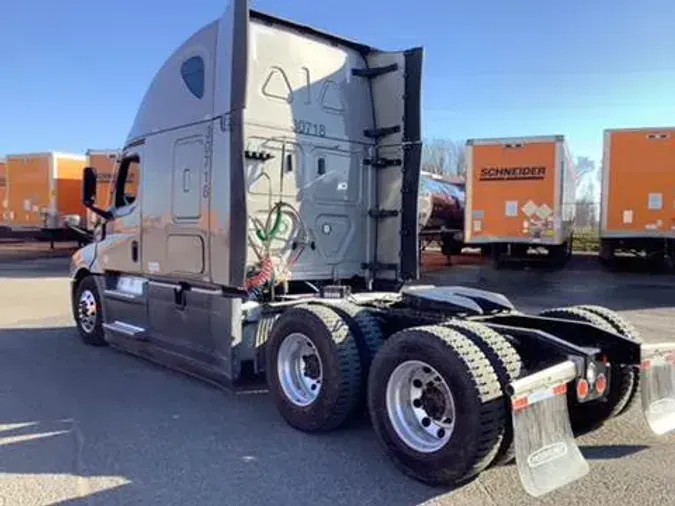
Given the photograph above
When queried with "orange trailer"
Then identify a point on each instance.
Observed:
(105, 163)
(637, 213)
(3, 191)
(520, 196)
(44, 191)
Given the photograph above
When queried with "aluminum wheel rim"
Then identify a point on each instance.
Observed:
(86, 311)
(420, 406)
(299, 369)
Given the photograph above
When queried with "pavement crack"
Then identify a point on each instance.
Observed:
(486, 492)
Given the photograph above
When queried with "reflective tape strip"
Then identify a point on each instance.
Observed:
(541, 395)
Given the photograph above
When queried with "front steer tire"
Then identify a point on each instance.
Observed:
(479, 416)
(87, 312)
(340, 382)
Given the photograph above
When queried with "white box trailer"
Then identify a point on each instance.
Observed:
(271, 233)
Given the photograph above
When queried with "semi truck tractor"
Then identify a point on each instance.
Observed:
(273, 233)
(521, 198)
(637, 214)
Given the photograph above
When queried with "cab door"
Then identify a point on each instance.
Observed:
(120, 254)
(176, 237)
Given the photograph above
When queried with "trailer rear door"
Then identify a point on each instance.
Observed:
(32, 185)
(513, 191)
(638, 194)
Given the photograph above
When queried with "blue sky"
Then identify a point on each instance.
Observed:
(74, 71)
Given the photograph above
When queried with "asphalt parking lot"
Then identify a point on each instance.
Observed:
(80, 425)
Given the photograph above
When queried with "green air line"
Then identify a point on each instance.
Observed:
(275, 228)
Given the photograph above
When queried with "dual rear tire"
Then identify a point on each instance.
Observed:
(624, 379)
(435, 394)
(313, 368)
(436, 405)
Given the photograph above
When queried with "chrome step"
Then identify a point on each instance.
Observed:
(126, 329)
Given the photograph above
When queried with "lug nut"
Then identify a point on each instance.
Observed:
(426, 422)
(417, 403)
(417, 383)
(440, 433)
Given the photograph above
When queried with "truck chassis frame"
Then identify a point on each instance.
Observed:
(561, 373)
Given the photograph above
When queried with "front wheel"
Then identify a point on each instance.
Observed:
(87, 312)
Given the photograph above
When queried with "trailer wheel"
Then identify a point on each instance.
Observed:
(507, 364)
(606, 255)
(436, 405)
(560, 255)
(587, 417)
(498, 252)
(87, 312)
(314, 371)
(450, 246)
(623, 327)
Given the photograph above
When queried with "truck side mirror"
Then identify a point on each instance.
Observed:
(89, 193)
(89, 186)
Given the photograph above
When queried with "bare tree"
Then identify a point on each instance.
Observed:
(587, 205)
(585, 167)
(461, 159)
(443, 156)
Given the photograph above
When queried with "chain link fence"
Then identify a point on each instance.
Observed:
(587, 217)
(586, 225)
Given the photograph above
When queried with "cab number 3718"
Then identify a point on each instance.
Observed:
(304, 127)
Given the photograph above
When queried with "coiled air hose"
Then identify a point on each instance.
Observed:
(266, 273)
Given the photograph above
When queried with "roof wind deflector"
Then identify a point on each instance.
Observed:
(308, 30)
